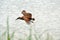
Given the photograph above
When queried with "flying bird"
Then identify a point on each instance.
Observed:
(27, 17)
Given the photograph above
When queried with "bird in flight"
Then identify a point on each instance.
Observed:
(27, 17)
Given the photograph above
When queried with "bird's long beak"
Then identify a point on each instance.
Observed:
(18, 18)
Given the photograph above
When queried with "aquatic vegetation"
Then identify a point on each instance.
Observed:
(8, 36)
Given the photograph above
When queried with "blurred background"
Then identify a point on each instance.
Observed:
(45, 12)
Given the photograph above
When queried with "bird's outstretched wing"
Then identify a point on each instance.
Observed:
(28, 15)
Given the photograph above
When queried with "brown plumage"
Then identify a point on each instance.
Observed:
(27, 17)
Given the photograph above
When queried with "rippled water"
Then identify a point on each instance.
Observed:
(46, 13)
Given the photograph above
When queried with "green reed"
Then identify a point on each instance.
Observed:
(36, 36)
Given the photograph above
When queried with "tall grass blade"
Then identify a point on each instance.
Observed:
(36, 37)
(3, 34)
(8, 36)
(12, 36)
(30, 34)
(47, 37)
